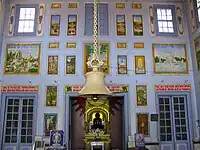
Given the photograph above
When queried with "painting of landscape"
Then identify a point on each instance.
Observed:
(104, 55)
(197, 50)
(22, 59)
(170, 59)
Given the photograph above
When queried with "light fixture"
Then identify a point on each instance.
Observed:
(95, 85)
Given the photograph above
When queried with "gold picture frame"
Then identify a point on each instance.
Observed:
(141, 95)
(138, 25)
(143, 123)
(121, 25)
(70, 45)
(121, 45)
(54, 45)
(197, 51)
(136, 5)
(72, 5)
(56, 5)
(14, 52)
(122, 65)
(167, 61)
(120, 5)
(72, 25)
(138, 45)
(104, 53)
(53, 65)
(70, 65)
(51, 96)
(55, 25)
(140, 65)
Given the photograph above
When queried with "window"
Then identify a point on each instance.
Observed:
(103, 19)
(26, 17)
(198, 9)
(165, 20)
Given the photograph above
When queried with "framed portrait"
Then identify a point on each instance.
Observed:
(122, 64)
(197, 51)
(121, 25)
(70, 64)
(72, 25)
(55, 25)
(53, 65)
(56, 5)
(51, 95)
(140, 67)
(143, 123)
(22, 59)
(50, 123)
(141, 95)
(54, 45)
(170, 59)
(104, 55)
(137, 25)
(70, 45)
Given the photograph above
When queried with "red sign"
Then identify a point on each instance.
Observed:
(181, 87)
(19, 89)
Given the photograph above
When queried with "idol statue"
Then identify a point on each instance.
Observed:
(97, 122)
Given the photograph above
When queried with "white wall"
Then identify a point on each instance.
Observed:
(150, 79)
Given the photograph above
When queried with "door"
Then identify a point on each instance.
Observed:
(18, 125)
(174, 130)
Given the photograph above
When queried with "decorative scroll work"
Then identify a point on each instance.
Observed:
(11, 20)
(40, 20)
(151, 19)
(179, 18)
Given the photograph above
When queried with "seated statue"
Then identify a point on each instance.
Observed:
(97, 122)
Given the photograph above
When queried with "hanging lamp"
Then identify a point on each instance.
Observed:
(95, 83)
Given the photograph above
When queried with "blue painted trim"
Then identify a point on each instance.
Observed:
(17, 15)
(3, 109)
(189, 113)
(172, 7)
(68, 118)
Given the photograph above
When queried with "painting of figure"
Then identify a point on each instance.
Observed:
(104, 55)
(121, 25)
(55, 25)
(50, 122)
(53, 65)
(70, 64)
(141, 93)
(137, 25)
(22, 59)
(197, 50)
(51, 95)
(140, 65)
(72, 23)
(143, 124)
(170, 59)
(122, 64)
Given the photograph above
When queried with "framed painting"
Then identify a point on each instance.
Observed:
(56, 5)
(138, 45)
(197, 51)
(50, 123)
(141, 95)
(51, 95)
(72, 25)
(53, 65)
(122, 64)
(137, 25)
(120, 5)
(55, 25)
(22, 59)
(72, 5)
(54, 45)
(140, 67)
(70, 65)
(170, 59)
(136, 5)
(70, 45)
(104, 55)
(121, 25)
(143, 123)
